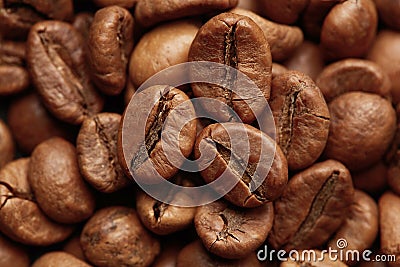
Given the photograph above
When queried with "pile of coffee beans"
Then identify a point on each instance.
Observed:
(199, 133)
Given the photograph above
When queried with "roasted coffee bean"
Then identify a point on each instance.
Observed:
(7, 147)
(129, 92)
(272, 177)
(353, 75)
(308, 59)
(320, 259)
(59, 259)
(343, 35)
(122, 3)
(283, 11)
(114, 236)
(146, 155)
(385, 53)
(389, 12)
(283, 39)
(278, 69)
(110, 44)
(12, 254)
(312, 206)
(373, 180)
(238, 42)
(301, 118)
(97, 152)
(21, 219)
(151, 12)
(163, 218)
(56, 59)
(360, 227)
(17, 16)
(164, 46)
(57, 184)
(82, 22)
(14, 78)
(231, 232)
(362, 128)
(27, 111)
(196, 255)
(389, 212)
(73, 247)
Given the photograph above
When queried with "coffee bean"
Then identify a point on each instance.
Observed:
(389, 211)
(238, 42)
(56, 59)
(163, 218)
(146, 155)
(151, 12)
(362, 127)
(7, 147)
(73, 247)
(231, 232)
(82, 22)
(271, 175)
(17, 16)
(312, 206)
(97, 152)
(57, 184)
(110, 44)
(353, 75)
(14, 78)
(60, 259)
(196, 255)
(12, 254)
(283, 39)
(343, 35)
(301, 118)
(283, 11)
(21, 219)
(114, 236)
(278, 69)
(360, 227)
(167, 44)
(373, 180)
(27, 111)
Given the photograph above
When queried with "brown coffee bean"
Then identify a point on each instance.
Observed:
(343, 35)
(82, 22)
(389, 12)
(12, 254)
(110, 44)
(56, 59)
(278, 69)
(21, 219)
(122, 3)
(114, 236)
(385, 53)
(283, 11)
(353, 75)
(17, 16)
(73, 247)
(231, 232)
(129, 92)
(170, 248)
(362, 128)
(308, 59)
(27, 111)
(238, 42)
(320, 260)
(389, 212)
(151, 12)
(360, 227)
(283, 39)
(146, 155)
(312, 206)
(97, 152)
(59, 259)
(373, 180)
(163, 218)
(57, 184)
(162, 47)
(196, 255)
(7, 147)
(301, 118)
(14, 78)
(273, 177)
